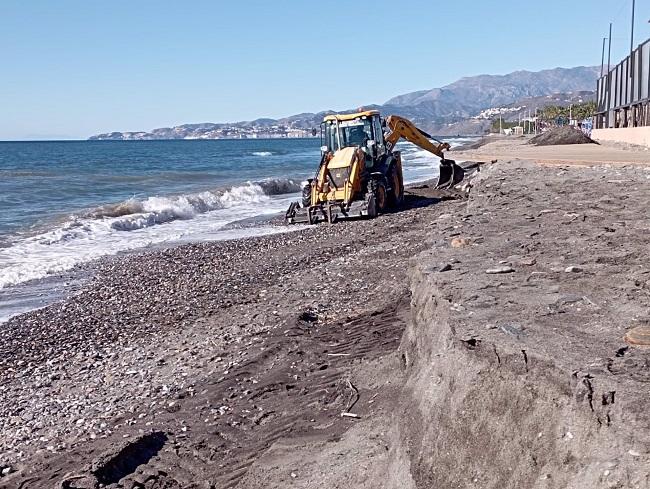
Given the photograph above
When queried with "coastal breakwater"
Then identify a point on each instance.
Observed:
(473, 342)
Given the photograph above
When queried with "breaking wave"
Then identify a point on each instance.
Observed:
(136, 214)
(133, 224)
(262, 153)
(279, 186)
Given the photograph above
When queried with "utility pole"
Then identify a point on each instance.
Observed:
(609, 78)
(602, 59)
(500, 129)
(632, 33)
(609, 49)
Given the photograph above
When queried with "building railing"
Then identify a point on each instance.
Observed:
(623, 94)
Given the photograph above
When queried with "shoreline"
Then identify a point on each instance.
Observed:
(42, 292)
(259, 225)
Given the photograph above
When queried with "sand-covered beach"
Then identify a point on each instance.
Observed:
(467, 340)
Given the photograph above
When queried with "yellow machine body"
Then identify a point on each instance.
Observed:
(360, 174)
(344, 165)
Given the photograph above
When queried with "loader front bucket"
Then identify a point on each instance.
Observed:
(450, 174)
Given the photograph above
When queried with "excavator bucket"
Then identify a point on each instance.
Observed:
(450, 174)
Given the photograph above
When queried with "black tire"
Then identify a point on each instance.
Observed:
(306, 195)
(377, 192)
(396, 193)
(371, 205)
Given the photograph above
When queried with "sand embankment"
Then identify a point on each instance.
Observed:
(230, 364)
(508, 148)
(522, 378)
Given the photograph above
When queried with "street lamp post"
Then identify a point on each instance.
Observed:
(609, 49)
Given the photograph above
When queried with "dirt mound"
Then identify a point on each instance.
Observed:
(474, 144)
(561, 135)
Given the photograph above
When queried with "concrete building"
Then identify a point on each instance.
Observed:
(623, 100)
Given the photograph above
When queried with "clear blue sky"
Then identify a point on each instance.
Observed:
(72, 68)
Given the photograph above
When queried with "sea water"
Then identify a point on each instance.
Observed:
(69, 202)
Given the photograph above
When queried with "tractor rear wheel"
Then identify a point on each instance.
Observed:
(396, 195)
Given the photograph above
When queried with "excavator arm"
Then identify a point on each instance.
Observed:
(399, 127)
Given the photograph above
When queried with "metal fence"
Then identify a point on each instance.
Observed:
(623, 93)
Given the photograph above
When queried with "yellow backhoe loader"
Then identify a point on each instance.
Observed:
(360, 173)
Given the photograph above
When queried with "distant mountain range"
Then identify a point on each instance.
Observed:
(452, 109)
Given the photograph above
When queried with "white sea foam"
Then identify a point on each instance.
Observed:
(420, 165)
(262, 153)
(137, 224)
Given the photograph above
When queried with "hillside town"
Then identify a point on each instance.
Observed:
(211, 131)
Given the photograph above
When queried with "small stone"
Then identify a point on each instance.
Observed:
(634, 453)
(445, 268)
(294, 475)
(638, 336)
(572, 269)
(512, 330)
(459, 242)
(500, 270)
(6, 471)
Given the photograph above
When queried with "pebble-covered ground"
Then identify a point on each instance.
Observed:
(211, 325)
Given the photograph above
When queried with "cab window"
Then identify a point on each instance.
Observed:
(356, 132)
(379, 135)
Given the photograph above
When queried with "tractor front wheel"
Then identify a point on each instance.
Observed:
(306, 195)
(377, 197)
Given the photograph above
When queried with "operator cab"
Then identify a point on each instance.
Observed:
(363, 129)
